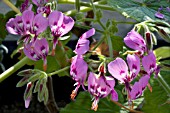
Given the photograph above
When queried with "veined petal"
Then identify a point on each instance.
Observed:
(55, 20)
(88, 34)
(40, 24)
(10, 26)
(27, 18)
(114, 95)
(79, 69)
(136, 91)
(31, 53)
(143, 82)
(92, 83)
(67, 25)
(118, 69)
(82, 46)
(134, 65)
(149, 63)
(135, 41)
(20, 25)
(110, 81)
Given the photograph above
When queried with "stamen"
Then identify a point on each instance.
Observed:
(95, 105)
(149, 86)
(73, 95)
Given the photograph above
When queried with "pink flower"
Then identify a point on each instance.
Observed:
(83, 43)
(149, 64)
(135, 41)
(100, 87)
(138, 87)
(60, 25)
(37, 50)
(119, 69)
(78, 72)
(27, 24)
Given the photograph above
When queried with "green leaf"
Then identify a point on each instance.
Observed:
(22, 82)
(162, 52)
(117, 43)
(2, 28)
(155, 101)
(136, 103)
(138, 10)
(83, 105)
(52, 64)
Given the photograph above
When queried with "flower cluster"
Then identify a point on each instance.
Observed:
(119, 69)
(30, 26)
(159, 15)
(99, 85)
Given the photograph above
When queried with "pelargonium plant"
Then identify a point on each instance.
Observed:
(123, 73)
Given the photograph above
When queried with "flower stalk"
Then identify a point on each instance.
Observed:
(12, 6)
(59, 71)
(14, 68)
(163, 83)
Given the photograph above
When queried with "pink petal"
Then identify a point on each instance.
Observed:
(27, 18)
(135, 41)
(40, 24)
(55, 20)
(19, 25)
(136, 91)
(79, 69)
(10, 26)
(27, 102)
(110, 81)
(30, 52)
(82, 46)
(88, 34)
(149, 62)
(159, 15)
(118, 69)
(134, 65)
(91, 83)
(143, 82)
(114, 95)
(67, 25)
(42, 46)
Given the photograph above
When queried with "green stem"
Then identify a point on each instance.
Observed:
(87, 27)
(8, 3)
(101, 24)
(124, 22)
(96, 4)
(59, 71)
(98, 43)
(14, 68)
(86, 19)
(110, 45)
(164, 84)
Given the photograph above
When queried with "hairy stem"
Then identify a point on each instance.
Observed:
(96, 4)
(59, 71)
(12, 6)
(87, 27)
(101, 40)
(131, 110)
(51, 104)
(164, 84)
(14, 68)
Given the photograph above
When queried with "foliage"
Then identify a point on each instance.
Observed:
(110, 68)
